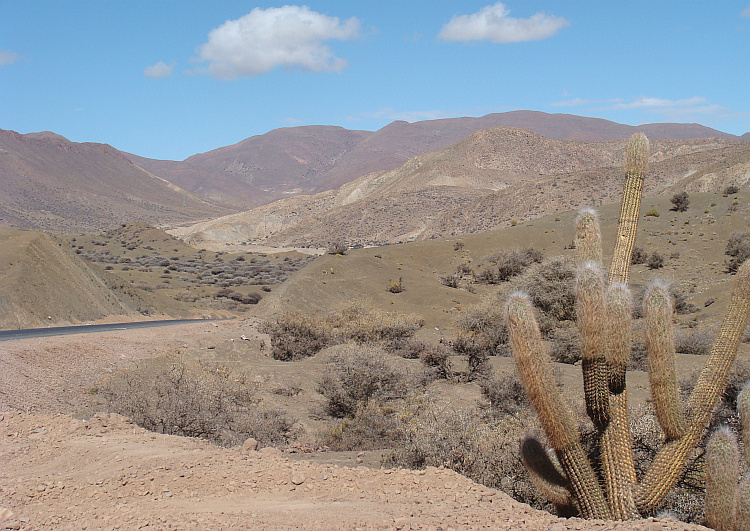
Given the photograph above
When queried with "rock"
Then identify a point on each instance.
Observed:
(297, 477)
(250, 444)
(270, 451)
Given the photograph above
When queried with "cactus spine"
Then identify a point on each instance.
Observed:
(604, 319)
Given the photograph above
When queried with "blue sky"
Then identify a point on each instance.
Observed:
(171, 78)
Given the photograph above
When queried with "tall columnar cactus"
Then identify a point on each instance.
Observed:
(727, 502)
(604, 319)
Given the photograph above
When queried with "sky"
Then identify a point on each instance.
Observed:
(167, 79)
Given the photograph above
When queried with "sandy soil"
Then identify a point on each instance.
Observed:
(61, 472)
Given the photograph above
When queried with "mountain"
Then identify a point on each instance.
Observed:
(51, 183)
(485, 181)
(311, 159)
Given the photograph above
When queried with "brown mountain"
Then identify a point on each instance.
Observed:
(310, 159)
(51, 183)
(485, 181)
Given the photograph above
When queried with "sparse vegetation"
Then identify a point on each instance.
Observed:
(213, 402)
(738, 248)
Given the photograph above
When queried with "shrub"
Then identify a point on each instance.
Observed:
(652, 213)
(696, 341)
(509, 263)
(294, 336)
(355, 375)
(552, 288)
(437, 359)
(355, 322)
(655, 261)
(337, 248)
(731, 189)
(374, 426)
(396, 287)
(565, 347)
(738, 247)
(173, 396)
(639, 256)
(505, 393)
(485, 450)
(680, 202)
(451, 281)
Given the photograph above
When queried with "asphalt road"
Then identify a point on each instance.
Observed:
(6, 335)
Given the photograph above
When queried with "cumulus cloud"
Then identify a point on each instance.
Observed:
(289, 36)
(493, 23)
(159, 70)
(7, 57)
(745, 12)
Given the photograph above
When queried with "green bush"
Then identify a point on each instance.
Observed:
(652, 213)
(680, 202)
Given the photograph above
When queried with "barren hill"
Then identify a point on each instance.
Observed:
(41, 281)
(50, 183)
(486, 181)
(310, 159)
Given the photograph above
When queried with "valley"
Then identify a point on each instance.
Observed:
(356, 261)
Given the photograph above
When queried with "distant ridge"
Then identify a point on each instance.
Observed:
(51, 183)
(483, 182)
(310, 159)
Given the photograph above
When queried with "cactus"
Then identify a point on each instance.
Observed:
(604, 318)
(727, 502)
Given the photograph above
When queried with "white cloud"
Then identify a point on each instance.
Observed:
(658, 103)
(745, 12)
(7, 57)
(266, 38)
(493, 23)
(159, 70)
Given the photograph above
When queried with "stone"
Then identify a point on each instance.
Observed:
(250, 444)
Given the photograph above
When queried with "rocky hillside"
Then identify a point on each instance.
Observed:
(488, 180)
(51, 183)
(311, 159)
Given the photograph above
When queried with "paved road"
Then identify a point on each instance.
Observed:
(6, 335)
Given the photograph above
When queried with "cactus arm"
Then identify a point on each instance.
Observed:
(588, 240)
(722, 458)
(617, 451)
(742, 516)
(743, 408)
(535, 370)
(657, 306)
(671, 460)
(636, 164)
(545, 476)
(590, 312)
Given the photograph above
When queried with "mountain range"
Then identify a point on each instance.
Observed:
(313, 185)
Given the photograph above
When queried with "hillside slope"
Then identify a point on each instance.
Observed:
(43, 282)
(484, 182)
(311, 159)
(51, 183)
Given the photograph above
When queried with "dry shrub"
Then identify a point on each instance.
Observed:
(363, 325)
(437, 359)
(565, 345)
(374, 426)
(294, 336)
(508, 264)
(505, 394)
(354, 375)
(483, 449)
(738, 248)
(696, 341)
(170, 395)
(551, 287)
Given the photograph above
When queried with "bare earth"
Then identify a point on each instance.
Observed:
(59, 472)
